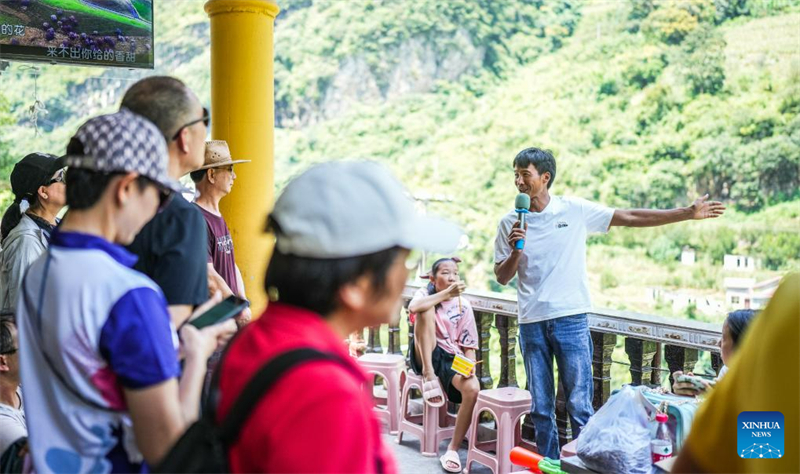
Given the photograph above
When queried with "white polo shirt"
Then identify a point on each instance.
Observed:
(552, 280)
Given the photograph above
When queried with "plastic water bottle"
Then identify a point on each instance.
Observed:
(661, 444)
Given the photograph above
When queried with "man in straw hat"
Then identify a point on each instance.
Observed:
(214, 180)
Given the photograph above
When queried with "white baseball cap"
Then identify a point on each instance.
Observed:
(353, 208)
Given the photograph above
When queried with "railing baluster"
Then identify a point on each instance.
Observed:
(508, 328)
(528, 430)
(653, 340)
(680, 358)
(374, 340)
(716, 362)
(394, 335)
(484, 322)
(601, 366)
(562, 418)
(655, 376)
(641, 355)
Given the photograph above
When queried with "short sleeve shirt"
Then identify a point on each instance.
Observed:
(172, 252)
(455, 324)
(552, 280)
(220, 249)
(12, 424)
(764, 376)
(84, 337)
(318, 417)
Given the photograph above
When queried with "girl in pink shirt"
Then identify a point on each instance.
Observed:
(445, 326)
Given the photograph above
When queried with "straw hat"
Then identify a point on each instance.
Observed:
(217, 155)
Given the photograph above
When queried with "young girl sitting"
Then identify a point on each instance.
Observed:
(445, 326)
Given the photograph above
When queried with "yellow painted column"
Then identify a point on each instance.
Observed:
(243, 114)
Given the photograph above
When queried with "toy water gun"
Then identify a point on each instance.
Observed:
(535, 462)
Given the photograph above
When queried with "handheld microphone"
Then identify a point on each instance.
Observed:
(521, 205)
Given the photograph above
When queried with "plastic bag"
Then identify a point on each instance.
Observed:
(617, 437)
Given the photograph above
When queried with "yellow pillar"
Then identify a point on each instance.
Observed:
(242, 113)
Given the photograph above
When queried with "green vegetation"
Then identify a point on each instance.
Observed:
(636, 119)
(644, 103)
(315, 37)
(144, 8)
(76, 6)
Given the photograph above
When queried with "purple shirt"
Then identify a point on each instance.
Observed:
(220, 249)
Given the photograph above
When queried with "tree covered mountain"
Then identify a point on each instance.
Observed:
(644, 102)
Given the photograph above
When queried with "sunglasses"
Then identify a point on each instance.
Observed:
(206, 119)
(58, 179)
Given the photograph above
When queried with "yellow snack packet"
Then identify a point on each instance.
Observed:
(463, 365)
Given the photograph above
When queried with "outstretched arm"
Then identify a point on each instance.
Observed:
(702, 208)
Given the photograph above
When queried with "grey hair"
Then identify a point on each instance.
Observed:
(163, 100)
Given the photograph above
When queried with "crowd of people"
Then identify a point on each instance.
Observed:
(101, 370)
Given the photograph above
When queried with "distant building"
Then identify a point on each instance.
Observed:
(688, 256)
(680, 300)
(745, 293)
(740, 263)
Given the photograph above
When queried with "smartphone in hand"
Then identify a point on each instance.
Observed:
(224, 310)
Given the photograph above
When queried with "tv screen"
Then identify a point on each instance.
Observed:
(116, 33)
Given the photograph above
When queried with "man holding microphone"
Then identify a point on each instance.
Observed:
(553, 287)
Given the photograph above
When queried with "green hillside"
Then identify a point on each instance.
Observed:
(635, 119)
(645, 103)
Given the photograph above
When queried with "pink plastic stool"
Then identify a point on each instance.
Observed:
(427, 426)
(507, 405)
(391, 368)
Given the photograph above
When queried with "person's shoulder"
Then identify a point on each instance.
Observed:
(331, 380)
(466, 302)
(508, 219)
(117, 278)
(178, 212)
(339, 376)
(574, 203)
(570, 201)
(137, 280)
(179, 220)
(24, 232)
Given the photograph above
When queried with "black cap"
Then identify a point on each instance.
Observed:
(33, 171)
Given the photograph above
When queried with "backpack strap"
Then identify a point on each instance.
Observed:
(262, 382)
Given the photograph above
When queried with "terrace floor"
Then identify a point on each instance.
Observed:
(410, 461)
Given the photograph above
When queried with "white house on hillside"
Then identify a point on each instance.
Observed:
(688, 256)
(745, 293)
(739, 263)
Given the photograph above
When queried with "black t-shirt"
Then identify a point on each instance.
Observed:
(172, 251)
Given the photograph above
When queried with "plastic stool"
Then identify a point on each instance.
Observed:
(508, 406)
(427, 426)
(391, 368)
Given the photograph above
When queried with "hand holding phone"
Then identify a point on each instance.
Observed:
(224, 310)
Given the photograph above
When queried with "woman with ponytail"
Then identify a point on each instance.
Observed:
(37, 182)
(445, 327)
